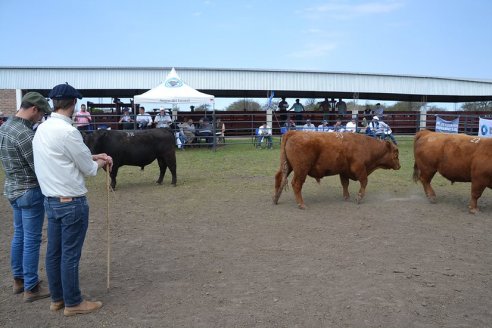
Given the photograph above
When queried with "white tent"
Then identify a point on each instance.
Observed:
(173, 91)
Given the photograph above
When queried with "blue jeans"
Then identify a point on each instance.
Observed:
(67, 226)
(28, 224)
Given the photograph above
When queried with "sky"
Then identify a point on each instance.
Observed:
(436, 38)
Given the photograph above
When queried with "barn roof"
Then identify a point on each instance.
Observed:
(126, 82)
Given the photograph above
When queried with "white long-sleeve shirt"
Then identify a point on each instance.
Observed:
(61, 159)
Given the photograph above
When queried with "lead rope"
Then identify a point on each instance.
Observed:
(108, 227)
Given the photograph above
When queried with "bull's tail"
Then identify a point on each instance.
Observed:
(416, 170)
(416, 173)
(281, 177)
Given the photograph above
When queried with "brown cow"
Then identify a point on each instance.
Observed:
(351, 155)
(457, 157)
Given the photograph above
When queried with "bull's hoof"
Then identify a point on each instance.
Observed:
(159, 182)
(358, 200)
(301, 206)
(473, 210)
(275, 200)
(432, 200)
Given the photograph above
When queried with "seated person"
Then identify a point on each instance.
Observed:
(163, 119)
(126, 120)
(323, 127)
(219, 128)
(351, 126)
(264, 133)
(290, 124)
(309, 126)
(338, 127)
(144, 120)
(205, 130)
(188, 130)
(379, 129)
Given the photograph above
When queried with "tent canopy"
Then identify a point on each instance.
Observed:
(173, 91)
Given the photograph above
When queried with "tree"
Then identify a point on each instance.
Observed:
(245, 105)
(477, 106)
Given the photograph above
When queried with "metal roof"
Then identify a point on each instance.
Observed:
(126, 82)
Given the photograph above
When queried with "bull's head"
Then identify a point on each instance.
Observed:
(393, 159)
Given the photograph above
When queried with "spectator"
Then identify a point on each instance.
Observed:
(379, 129)
(351, 126)
(298, 109)
(126, 120)
(338, 127)
(282, 108)
(323, 127)
(61, 161)
(264, 133)
(83, 119)
(188, 129)
(163, 119)
(325, 107)
(144, 120)
(24, 194)
(205, 130)
(192, 108)
(341, 107)
(379, 111)
(290, 124)
(220, 129)
(309, 126)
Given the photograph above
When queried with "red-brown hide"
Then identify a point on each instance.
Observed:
(457, 157)
(350, 155)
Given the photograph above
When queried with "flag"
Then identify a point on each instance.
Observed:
(272, 94)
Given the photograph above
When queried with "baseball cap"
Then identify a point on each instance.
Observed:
(375, 118)
(37, 99)
(64, 91)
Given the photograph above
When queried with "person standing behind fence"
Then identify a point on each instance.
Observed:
(379, 111)
(298, 109)
(83, 119)
(325, 107)
(282, 108)
(24, 194)
(341, 107)
(61, 162)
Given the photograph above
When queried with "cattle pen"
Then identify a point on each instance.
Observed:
(215, 252)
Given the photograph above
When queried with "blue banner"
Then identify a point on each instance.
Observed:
(485, 128)
(447, 126)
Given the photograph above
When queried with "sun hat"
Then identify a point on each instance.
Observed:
(37, 99)
(64, 91)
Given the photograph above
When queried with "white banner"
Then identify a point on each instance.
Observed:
(447, 126)
(485, 128)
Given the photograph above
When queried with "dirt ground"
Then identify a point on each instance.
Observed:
(225, 256)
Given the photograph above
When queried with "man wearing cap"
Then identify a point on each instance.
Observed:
(162, 120)
(323, 127)
(24, 194)
(309, 126)
(62, 161)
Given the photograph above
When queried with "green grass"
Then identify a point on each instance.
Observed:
(239, 160)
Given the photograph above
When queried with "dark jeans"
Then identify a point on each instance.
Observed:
(67, 226)
(28, 212)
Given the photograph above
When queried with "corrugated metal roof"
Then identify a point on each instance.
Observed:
(223, 82)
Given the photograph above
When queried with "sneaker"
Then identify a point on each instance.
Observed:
(55, 306)
(83, 308)
(18, 286)
(37, 293)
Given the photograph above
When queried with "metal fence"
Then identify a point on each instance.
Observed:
(242, 127)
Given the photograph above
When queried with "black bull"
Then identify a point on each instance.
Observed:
(136, 148)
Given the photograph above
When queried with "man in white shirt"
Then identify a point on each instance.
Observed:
(144, 120)
(61, 162)
(309, 126)
(351, 126)
(162, 120)
(264, 133)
